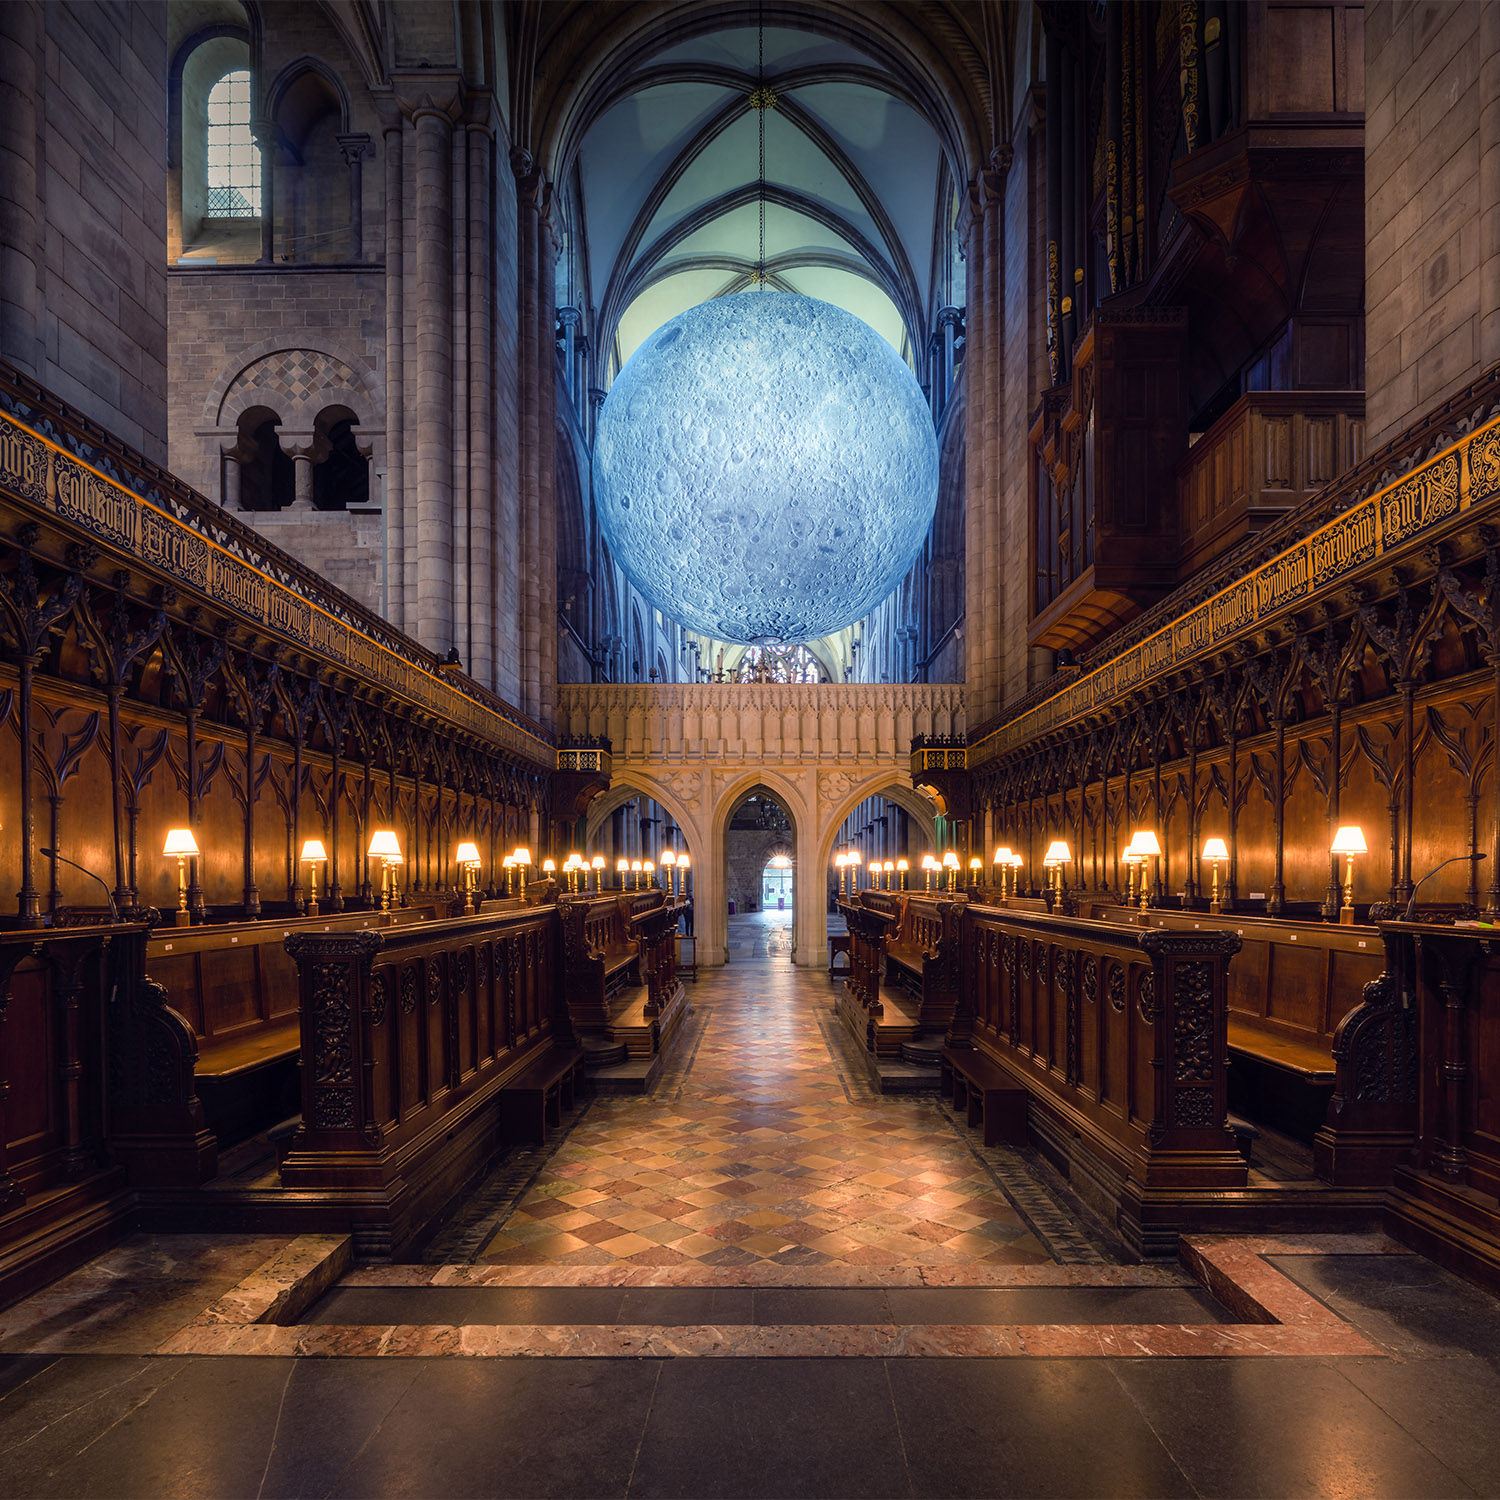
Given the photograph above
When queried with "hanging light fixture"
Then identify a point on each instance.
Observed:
(761, 100)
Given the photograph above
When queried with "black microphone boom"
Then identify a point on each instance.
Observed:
(1411, 905)
(114, 915)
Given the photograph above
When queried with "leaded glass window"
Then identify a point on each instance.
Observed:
(233, 157)
(780, 664)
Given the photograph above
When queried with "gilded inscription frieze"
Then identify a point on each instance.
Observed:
(1407, 511)
(220, 565)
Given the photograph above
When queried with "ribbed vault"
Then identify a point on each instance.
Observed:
(646, 120)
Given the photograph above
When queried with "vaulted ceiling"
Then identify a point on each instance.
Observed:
(665, 206)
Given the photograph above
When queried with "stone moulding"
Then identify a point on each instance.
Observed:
(1412, 512)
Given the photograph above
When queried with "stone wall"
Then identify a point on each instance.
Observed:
(83, 111)
(1432, 180)
(224, 322)
(748, 851)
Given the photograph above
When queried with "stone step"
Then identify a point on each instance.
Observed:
(924, 1050)
(601, 1052)
(777, 1307)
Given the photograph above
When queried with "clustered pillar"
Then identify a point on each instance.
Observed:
(538, 434)
(19, 295)
(984, 378)
(445, 472)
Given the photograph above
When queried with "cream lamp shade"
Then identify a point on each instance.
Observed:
(1215, 849)
(854, 856)
(467, 854)
(1130, 857)
(522, 856)
(1002, 855)
(622, 865)
(974, 864)
(1349, 840)
(683, 862)
(839, 861)
(669, 857)
(950, 861)
(929, 863)
(180, 841)
(902, 865)
(779, 862)
(598, 862)
(312, 851)
(648, 868)
(384, 845)
(1057, 853)
(1145, 843)
(395, 859)
(635, 865)
(549, 867)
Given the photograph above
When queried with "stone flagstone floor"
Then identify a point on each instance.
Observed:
(759, 1154)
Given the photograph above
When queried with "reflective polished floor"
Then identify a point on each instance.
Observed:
(760, 1280)
(759, 1154)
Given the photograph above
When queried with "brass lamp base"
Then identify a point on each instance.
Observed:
(1346, 916)
(182, 919)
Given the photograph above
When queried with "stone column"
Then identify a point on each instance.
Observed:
(233, 456)
(570, 320)
(949, 319)
(538, 435)
(301, 448)
(977, 498)
(463, 316)
(990, 601)
(20, 299)
(434, 412)
(395, 370)
(481, 657)
(1489, 186)
(268, 138)
(355, 149)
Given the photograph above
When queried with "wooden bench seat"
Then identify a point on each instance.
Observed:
(988, 1095)
(909, 962)
(620, 969)
(537, 1096)
(920, 952)
(1305, 1059)
(230, 1059)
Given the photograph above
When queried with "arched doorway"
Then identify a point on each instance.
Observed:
(777, 882)
(759, 878)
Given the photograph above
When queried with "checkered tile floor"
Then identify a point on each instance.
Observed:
(758, 1156)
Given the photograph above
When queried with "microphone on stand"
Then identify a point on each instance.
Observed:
(1411, 905)
(114, 915)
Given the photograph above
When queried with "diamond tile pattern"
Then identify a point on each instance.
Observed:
(296, 374)
(760, 1156)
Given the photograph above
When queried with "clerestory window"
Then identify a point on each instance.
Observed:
(233, 157)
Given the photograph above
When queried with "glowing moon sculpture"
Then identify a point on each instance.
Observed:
(765, 468)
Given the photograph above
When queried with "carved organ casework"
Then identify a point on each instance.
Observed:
(1204, 281)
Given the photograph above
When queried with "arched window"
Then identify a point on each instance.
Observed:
(780, 664)
(233, 156)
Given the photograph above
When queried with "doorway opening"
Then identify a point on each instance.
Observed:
(776, 883)
(760, 869)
